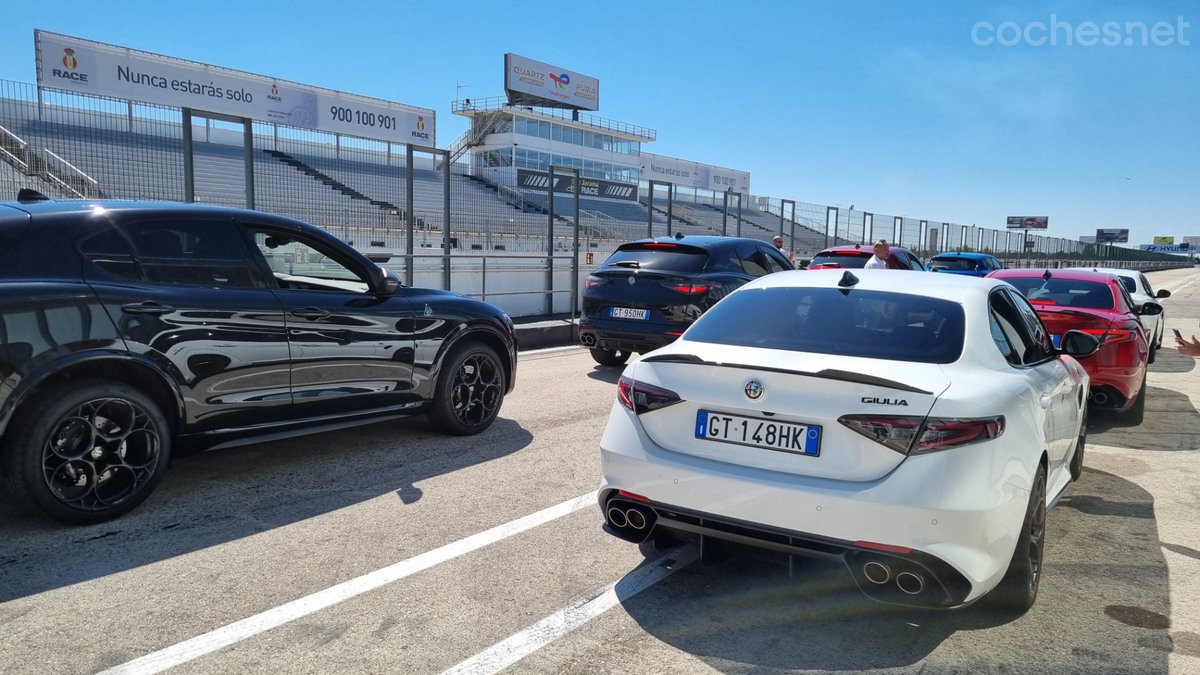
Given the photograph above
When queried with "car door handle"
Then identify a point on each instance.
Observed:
(310, 313)
(148, 307)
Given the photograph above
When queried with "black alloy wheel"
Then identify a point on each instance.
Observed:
(88, 452)
(1019, 588)
(469, 392)
(1076, 465)
(609, 357)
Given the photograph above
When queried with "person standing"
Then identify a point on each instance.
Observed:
(879, 261)
(778, 242)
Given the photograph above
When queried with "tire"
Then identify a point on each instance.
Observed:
(1076, 465)
(469, 390)
(87, 451)
(1153, 353)
(1019, 588)
(609, 357)
(1137, 413)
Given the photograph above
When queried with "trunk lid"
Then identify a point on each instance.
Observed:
(1060, 320)
(799, 388)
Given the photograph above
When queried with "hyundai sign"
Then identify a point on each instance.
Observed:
(87, 67)
(533, 83)
(1028, 222)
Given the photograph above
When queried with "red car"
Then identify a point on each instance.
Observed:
(856, 256)
(1098, 304)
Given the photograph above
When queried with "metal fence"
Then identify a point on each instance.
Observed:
(412, 204)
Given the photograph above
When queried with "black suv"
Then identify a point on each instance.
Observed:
(130, 331)
(649, 291)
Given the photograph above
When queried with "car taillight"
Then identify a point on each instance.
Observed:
(640, 397)
(692, 287)
(915, 436)
(1107, 336)
(593, 281)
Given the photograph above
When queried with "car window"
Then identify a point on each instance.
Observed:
(753, 261)
(840, 259)
(302, 263)
(1064, 292)
(1006, 326)
(916, 262)
(1148, 289)
(1130, 305)
(1039, 348)
(776, 261)
(192, 252)
(899, 261)
(659, 256)
(1129, 284)
(952, 263)
(871, 324)
(109, 250)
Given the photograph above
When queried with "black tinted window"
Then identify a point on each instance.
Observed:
(194, 252)
(667, 257)
(841, 259)
(1040, 347)
(953, 263)
(1008, 329)
(111, 253)
(777, 262)
(1129, 284)
(1064, 292)
(753, 261)
(871, 324)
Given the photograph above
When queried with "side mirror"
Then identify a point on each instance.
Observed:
(391, 282)
(1079, 344)
(1150, 309)
(1163, 293)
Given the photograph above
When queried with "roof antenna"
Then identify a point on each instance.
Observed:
(678, 236)
(848, 280)
(1047, 275)
(28, 196)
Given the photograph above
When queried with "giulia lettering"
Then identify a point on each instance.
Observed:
(884, 401)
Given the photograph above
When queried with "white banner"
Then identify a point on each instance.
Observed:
(693, 174)
(90, 67)
(1164, 248)
(557, 87)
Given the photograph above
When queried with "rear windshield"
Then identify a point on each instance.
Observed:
(668, 257)
(851, 259)
(1064, 292)
(871, 324)
(964, 264)
(1129, 284)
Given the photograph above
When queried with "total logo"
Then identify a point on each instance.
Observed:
(70, 63)
(274, 95)
(561, 81)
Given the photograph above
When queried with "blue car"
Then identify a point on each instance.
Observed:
(968, 264)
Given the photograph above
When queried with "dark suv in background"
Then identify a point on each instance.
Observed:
(132, 331)
(649, 291)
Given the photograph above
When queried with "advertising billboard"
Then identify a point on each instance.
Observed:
(1087, 239)
(533, 83)
(1164, 240)
(588, 187)
(1164, 248)
(87, 67)
(693, 174)
(1028, 222)
(1112, 236)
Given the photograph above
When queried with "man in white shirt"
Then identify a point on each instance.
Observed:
(778, 242)
(879, 260)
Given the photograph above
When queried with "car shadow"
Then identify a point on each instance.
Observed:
(1105, 586)
(1171, 423)
(212, 498)
(1171, 361)
(610, 374)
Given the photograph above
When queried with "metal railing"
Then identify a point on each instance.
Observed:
(501, 103)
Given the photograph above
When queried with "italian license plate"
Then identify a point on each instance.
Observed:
(630, 313)
(756, 432)
(1055, 339)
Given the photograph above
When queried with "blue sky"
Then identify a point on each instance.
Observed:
(892, 108)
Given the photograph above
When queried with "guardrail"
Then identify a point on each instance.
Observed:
(501, 103)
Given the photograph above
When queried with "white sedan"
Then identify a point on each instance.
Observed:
(917, 427)
(1138, 287)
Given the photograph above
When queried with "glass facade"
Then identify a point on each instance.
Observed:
(565, 134)
(494, 158)
(541, 161)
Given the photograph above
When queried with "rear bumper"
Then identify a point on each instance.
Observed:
(960, 523)
(1120, 385)
(621, 335)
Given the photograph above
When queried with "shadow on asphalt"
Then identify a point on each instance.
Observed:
(212, 498)
(1104, 572)
(608, 374)
(1171, 361)
(1171, 423)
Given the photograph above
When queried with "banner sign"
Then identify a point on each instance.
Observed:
(693, 174)
(1112, 236)
(529, 82)
(1028, 222)
(1165, 248)
(1164, 240)
(99, 69)
(565, 184)
(1087, 239)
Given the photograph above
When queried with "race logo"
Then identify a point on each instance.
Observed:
(68, 72)
(69, 61)
(420, 123)
(274, 95)
(754, 389)
(561, 81)
(274, 90)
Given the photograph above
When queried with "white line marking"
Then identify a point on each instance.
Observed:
(546, 350)
(185, 651)
(507, 652)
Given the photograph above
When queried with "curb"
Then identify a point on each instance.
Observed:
(546, 334)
